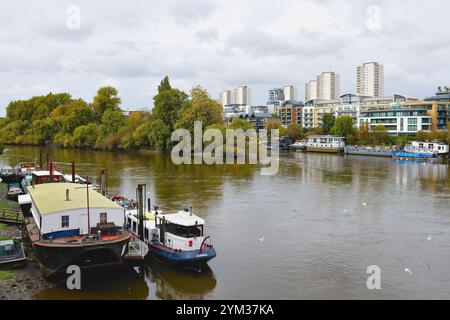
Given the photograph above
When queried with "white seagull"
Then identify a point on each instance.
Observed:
(408, 271)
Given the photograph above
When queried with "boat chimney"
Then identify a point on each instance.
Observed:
(190, 210)
(67, 195)
(73, 171)
(149, 208)
(140, 200)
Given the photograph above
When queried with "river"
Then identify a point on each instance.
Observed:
(309, 232)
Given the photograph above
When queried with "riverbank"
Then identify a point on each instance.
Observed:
(23, 283)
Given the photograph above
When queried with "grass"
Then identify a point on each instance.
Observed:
(3, 226)
(5, 275)
(3, 238)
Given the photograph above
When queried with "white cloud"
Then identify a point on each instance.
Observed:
(217, 44)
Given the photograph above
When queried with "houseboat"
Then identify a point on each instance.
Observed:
(7, 174)
(327, 144)
(370, 151)
(41, 177)
(423, 151)
(175, 239)
(11, 254)
(71, 224)
(26, 167)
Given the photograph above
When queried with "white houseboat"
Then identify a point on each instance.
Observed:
(74, 225)
(328, 144)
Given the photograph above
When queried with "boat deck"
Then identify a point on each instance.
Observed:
(35, 236)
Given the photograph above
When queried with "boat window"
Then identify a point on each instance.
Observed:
(134, 226)
(64, 221)
(146, 233)
(185, 232)
(103, 217)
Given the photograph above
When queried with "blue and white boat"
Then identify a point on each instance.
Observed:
(175, 239)
(423, 151)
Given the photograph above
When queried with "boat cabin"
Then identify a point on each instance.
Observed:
(430, 147)
(61, 210)
(326, 141)
(6, 170)
(182, 230)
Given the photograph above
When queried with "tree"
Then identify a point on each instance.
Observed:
(328, 122)
(164, 85)
(343, 126)
(168, 104)
(295, 131)
(86, 136)
(159, 135)
(199, 108)
(106, 98)
(380, 135)
(112, 121)
(238, 124)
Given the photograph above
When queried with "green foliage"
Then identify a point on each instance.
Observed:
(200, 107)
(295, 131)
(238, 124)
(106, 99)
(159, 135)
(328, 122)
(343, 126)
(164, 85)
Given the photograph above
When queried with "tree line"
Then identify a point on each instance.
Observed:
(58, 119)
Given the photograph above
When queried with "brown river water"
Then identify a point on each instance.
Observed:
(309, 232)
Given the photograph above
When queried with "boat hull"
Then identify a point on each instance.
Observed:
(372, 153)
(415, 156)
(194, 260)
(325, 149)
(54, 260)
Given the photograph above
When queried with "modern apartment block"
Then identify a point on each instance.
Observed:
(239, 96)
(279, 95)
(370, 79)
(311, 90)
(290, 112)
(225, 98)
(327, 86)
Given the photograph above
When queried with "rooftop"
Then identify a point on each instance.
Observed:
(51, 198)
(184, 218)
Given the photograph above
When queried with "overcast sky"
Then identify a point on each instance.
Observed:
(218, 45)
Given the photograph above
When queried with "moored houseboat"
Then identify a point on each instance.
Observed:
(175, 239)
(327, 144)
(370, 151)
(74, 225)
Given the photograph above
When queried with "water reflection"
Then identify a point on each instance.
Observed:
(176, 284)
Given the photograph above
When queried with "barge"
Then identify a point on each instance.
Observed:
(71, 224)
(326, 144)
(370, 151)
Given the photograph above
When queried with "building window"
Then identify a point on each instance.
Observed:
(103, 217)
(64, 221)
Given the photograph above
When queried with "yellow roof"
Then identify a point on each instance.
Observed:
(51, 198)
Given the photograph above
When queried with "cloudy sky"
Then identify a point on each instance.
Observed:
(46, 46)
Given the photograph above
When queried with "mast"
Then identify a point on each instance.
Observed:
(88, 215)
